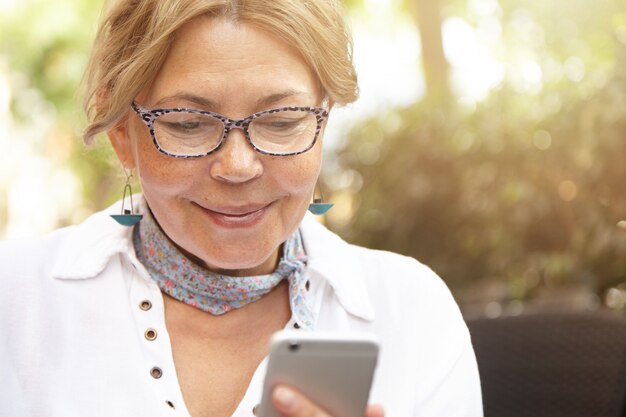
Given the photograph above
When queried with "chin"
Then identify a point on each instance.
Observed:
(234, 265)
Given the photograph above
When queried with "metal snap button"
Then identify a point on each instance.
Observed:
(145, 305)
(170, 404)
(156, 372)
(150, 334)
(307, 285)
(296, 325)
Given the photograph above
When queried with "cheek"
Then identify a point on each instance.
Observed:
(160, 173)
(300, 175)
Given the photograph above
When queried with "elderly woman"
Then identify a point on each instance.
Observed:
(219, 108)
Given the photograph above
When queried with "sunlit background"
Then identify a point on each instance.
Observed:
(488, 142)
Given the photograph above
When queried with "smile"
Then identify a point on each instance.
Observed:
(236, 217)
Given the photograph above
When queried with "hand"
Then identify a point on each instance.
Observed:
(291, 403)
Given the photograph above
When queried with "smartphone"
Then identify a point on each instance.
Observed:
(334, 371)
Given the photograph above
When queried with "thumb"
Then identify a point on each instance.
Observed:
(291, 403)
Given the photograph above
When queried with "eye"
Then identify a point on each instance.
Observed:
(184, 125)
(275, 125)
(283, 131)
(283, 122)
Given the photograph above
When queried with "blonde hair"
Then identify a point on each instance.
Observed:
(133, 40)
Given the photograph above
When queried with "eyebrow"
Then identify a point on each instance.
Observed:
(192, 98)
(277, 97)
(204, 102)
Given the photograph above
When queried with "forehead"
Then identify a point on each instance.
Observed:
(233, 65)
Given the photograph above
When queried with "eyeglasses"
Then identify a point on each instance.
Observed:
(191, 133)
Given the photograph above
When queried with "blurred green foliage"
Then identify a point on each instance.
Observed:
(524, 189)
(45, 46)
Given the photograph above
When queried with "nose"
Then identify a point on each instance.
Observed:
(236, 161)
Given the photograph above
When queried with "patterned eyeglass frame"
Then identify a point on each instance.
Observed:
(149, 117)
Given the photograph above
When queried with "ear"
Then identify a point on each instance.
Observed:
(120, 139)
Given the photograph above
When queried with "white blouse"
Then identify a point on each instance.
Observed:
(82, 327)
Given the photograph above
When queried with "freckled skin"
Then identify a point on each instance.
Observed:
(234, 66)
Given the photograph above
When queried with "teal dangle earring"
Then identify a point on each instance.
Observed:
(318, 207)
(127, 218)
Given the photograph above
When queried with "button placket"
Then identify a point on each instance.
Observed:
(317, 287)
(150, 334)
(149, 315)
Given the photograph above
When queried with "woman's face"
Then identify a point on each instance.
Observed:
(232, 209)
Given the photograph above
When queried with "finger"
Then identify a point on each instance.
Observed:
(291, 403)
(375, 410)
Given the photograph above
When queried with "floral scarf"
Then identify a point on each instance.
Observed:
(182, 279)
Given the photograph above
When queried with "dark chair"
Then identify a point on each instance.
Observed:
(552, 365)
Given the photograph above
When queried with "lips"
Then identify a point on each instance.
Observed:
(237, 216)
